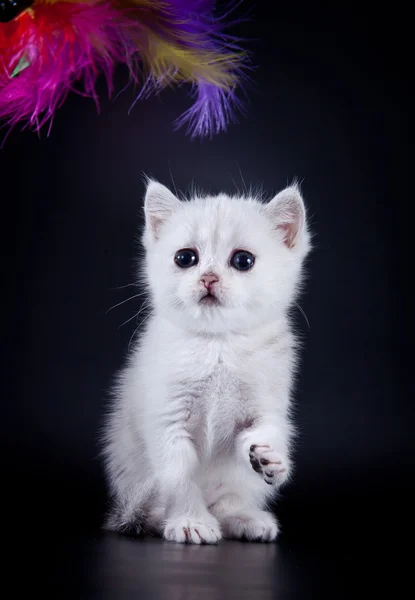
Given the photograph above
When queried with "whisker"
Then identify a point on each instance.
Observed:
(145, 318)
(242, 178)
(234, 183)
(172, 179)
(303, 313)
(128, 320)
(144, 306)
(122, 302)
(131, 338)
(121, 287)
(138, 327)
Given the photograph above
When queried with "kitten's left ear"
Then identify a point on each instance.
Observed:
(159, 205)
(287, 211)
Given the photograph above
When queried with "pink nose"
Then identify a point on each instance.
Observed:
(209, 279)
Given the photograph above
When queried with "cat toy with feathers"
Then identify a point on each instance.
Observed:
(49, 48)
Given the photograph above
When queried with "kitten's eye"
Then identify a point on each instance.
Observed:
(186, 258)
(242, 260)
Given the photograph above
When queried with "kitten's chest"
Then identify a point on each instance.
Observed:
(219, 406)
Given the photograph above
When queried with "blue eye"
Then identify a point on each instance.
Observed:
(242, 260)
(186, 258)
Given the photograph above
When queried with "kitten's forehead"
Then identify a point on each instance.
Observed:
(221, 221)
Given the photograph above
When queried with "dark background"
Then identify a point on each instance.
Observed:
(331, 107)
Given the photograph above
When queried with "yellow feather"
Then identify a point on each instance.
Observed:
(163, 59)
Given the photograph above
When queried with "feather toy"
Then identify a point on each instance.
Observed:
(49, 48)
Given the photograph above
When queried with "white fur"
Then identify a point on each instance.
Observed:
(206, 383)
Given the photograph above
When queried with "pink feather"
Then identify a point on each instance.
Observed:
(48, 49)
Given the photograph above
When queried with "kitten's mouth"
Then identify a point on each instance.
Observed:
(209, 300)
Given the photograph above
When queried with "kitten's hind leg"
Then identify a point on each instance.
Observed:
(132, 513)
(125, 518)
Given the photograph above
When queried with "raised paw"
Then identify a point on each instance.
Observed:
(192, 530)
(270, 464)
(251, 525)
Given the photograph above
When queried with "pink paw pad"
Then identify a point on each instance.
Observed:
(268, 463)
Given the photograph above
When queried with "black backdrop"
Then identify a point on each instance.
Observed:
(331, 107)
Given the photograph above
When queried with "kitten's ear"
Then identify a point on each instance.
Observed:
(159, 205)
(286, 210)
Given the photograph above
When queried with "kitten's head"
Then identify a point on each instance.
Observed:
(220, 264)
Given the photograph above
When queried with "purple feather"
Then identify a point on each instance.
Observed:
(211, 112)
(195, 25)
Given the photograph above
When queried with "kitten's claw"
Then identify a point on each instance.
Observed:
(268, 463)
(192, 531)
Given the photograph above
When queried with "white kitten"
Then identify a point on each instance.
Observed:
(198, 440)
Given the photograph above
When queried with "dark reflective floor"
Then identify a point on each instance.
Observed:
(326, 550)
(107, 566)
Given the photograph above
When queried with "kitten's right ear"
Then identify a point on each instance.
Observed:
(159, 205)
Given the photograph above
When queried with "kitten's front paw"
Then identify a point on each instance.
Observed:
(272, 465)
(192, 530)
(252, 525)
